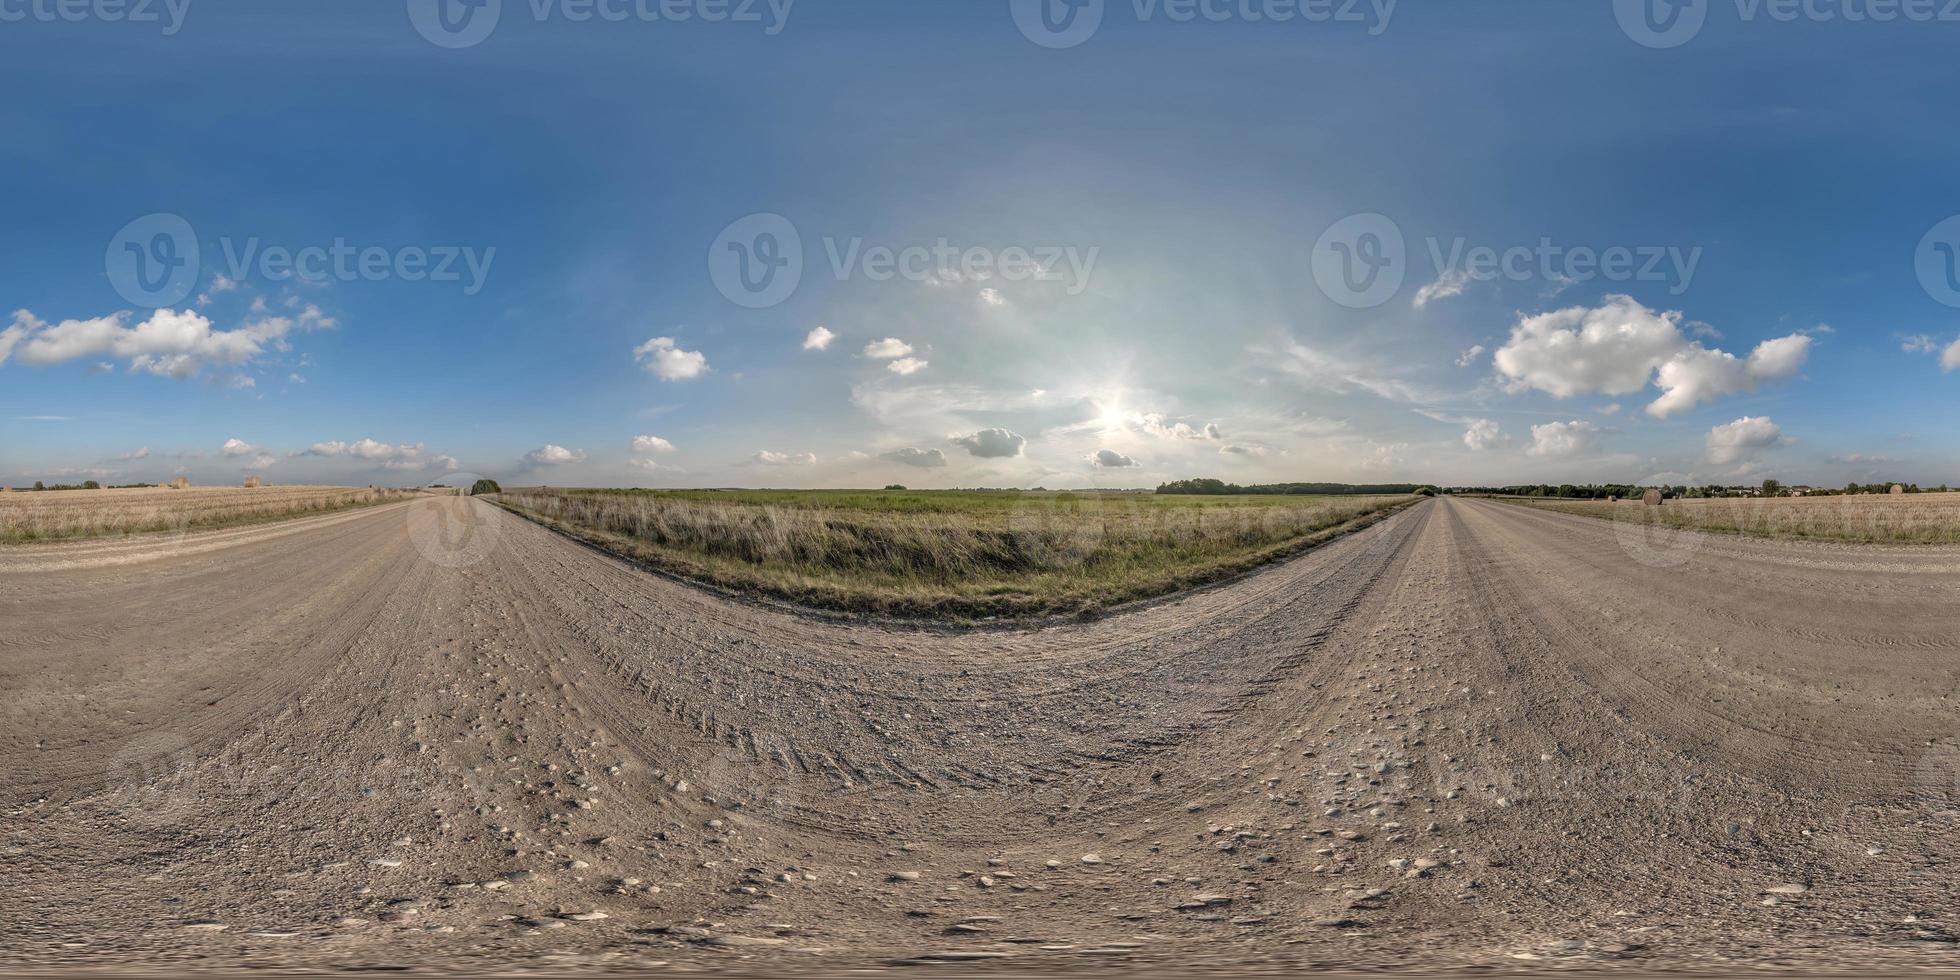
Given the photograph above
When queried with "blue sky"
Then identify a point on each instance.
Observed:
(1158, 236)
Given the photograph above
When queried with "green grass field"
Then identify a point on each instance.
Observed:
(947, 554)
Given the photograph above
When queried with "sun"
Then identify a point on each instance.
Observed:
(1112, 417)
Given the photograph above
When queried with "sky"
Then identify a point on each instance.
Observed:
(845, 243)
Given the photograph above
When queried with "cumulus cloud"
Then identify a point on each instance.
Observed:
(1563, 438)
(1622, 346)
(552, 455)
(1482, 434)
(663, 358)
(651, 444)
(1950, 358)
(906, 365)
(1110, 458)
(389, 455)
(818, 338)
(1450, 284)
(1162, 428)
(991, 443)
(237, 447)
(1243, 449)
(1920, 343)
(886, 349)
(768, 458)
(1470, 356)
(1742, 439)
(992, 297)
(923, 458)
(1949, 354)
(143, 453)
(167, 343)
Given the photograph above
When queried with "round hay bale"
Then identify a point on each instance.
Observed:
(1897, 489)
(1651, 498)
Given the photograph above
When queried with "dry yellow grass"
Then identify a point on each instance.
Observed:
(1917, 518)
(54, 515)
(948, 554)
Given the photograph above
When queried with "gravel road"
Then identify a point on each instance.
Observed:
(431, 735)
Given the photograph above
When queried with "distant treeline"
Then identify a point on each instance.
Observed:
(1219, 488)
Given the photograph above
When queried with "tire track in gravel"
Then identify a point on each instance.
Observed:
(1470, 733)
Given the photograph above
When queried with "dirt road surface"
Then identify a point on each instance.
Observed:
(434, 736)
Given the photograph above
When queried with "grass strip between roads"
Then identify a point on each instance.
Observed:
(948, 555)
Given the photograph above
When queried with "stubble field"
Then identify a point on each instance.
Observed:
(60, 515)
(1918, 518)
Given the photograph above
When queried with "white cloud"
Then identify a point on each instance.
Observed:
(767, 458)
(1920, 343)
(1698, 374)
(262, 461)
(389, 455)
(1563, 438)
(1621, 346)
(1110, 458)
(992, 297)
(906, 365)
(168, 343)
(1950, 358)
(1241, 449)
(1450, 284)
(1482, 434)
(238, 447)
(143, 453)
(991, 443)
(1742, 439)
(1470, 356)
(923, 458)
(663, 358)
(1156, 425)
(818, 338)
(552, 455)
(886, 349)
(651, 444)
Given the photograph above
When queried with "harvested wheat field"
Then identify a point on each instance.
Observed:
(54, 515)
(432, 736)
(1920, 518)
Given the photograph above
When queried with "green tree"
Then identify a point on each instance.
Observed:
(1772, 488)
(485, 486)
